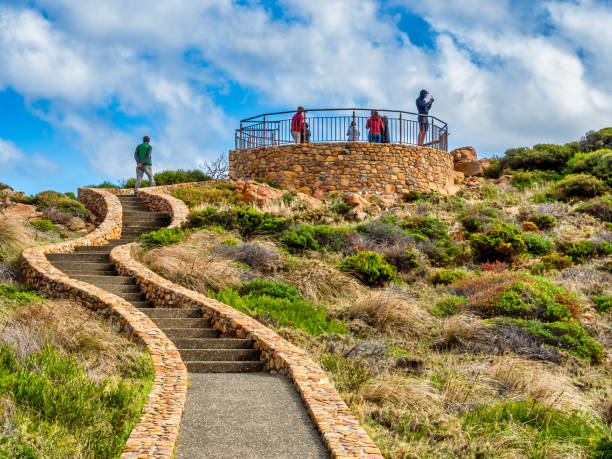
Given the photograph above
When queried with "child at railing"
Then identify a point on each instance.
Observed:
(352, 134)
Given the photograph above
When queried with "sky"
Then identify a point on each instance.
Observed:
(82, 82)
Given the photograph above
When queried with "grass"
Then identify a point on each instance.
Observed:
(13, 239)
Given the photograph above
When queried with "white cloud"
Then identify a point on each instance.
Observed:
(13, 161)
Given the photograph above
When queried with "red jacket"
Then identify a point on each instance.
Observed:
(297, 122)
(375, 125)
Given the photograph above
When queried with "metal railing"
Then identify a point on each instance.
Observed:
(332, 125)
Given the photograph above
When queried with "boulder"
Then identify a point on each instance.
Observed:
(76, 223)
(354, 200)
(469, 169)
(464, 154)
(18, 210)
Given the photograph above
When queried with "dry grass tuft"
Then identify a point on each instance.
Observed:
(389, 314)
(464, 330)
(13, 239)
(401, 392)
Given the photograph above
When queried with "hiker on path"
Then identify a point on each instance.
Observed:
(297, 126)
(423, 107)
(375, 126)
(352, 134)
(142, 155)
(385, 132)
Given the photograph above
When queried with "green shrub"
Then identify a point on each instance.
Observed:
(17, 295)
(502, 242)
(424, 228)
(472, 224)
(105, 184)
(521, 179)
(597, 163)
(162, 237)
(448, 306)
(43, 225)
(197, 195)
(404, 260)
(580, 250)
(542, 221)
(270, 184)
(288, 198)
(369, 267)
(446, 276)
(245, 219)
(299, 314)
(577, 187)
(602, 303)
(4, 186)
(341, 207)
(550, 262)
(54, 199)
(541, 156)
(537, 244)
(412, 195)
(131, 183)
(346, 375)
(259, 287)
(600, 208)
(180, 176)
(495, 169)
(300, 239)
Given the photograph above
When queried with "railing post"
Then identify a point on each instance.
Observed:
(432, 132)
(264, 131)
(400, 129)
(355, 126)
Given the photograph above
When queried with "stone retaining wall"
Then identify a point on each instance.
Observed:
(321, 168)
(157, 431)
(340, 430)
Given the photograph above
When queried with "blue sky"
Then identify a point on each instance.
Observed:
(82, 82)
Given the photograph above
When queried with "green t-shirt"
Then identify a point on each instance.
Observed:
(143, 153)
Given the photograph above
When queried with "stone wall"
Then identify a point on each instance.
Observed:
(321, 168)
(339, 429)
(157, 431)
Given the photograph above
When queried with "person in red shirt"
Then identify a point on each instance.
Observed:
(375, 126)
(297, 126)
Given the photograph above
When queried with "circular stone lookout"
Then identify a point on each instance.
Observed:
(332, 162)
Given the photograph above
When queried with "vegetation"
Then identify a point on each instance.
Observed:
(446, 276)
(170, 178)
(46, 199)
(43, 225)
(503, 242)
(214, 192)
(162, 236)
(369, 267)
(579, 186)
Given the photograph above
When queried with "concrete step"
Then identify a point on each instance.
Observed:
(180, 333)
(213, 343)
(78, 272)
(131, 296)
(129, 214)
(119, 290)
(142, 304)
(134, 208)
(225, 367)
(77, 257)
(83, 267)
(219, 355)
(181, 323)
(168, 313)
(113, 279)
(146, 225)
(95, 248)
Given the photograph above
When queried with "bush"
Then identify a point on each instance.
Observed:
(412, 195)
(600, 208)
(306, 237)
(180, 176)
(541, 156)
(60, 201)
(550, 262)
(196, 195)
(260, 287)
(404, 260)
(597, 163)
(595, 140)
(529, 227)
(43, 225)
(105, 184)
(472, 224)
(537, 244)
(502, 242)
(245, 219)
(18, 295)
(448, 306)
(369, 267)
(577, 187)
(424, 228)
(580, 250)
(446, 276)
(521, 179)
(296, 313)
(341, 208)
(542, 221)
(383, 231)
(300, 239)
(270, 184)
(162, 237)
(346, 375)
(602, 303)
(4, 186)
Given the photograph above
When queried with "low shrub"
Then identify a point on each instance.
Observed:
(404, 260)
(529, 227)
(294, 313)
(346, 375)
(597, 163)
(502, 242)
(105, 184)
(577, 187)
(15, 295)
(537, 244)
(270, 184)
(288, 198)
(260, 287)
(448, 306)
(307, 237)
(383, 231)
(472, 224)
(446, 276)
(246, 220)
(60, 201)
(424, 228)
(599, 208)
(43, 225)
(580, 250)
(180, 176)
(162, 237)
(340, 207)
(521, 179)
(412, 195)
(542, 157)
(196, 195)
(543, 222)
(550, 262)
(4, 186)
(603, 303)
(369, 267)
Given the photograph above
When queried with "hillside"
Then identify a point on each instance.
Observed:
(470, 325)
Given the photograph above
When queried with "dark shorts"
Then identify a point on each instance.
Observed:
(423, 126)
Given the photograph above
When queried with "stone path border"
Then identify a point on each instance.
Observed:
(156, 433)
(341, 432)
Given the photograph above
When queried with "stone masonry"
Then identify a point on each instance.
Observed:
(319, 169)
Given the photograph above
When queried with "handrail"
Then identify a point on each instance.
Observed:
(331, 125)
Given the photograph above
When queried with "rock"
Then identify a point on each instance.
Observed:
(451, 189)
(458, 175)
(356, 214)
(18, 210)
(485, 163)
(76, 223)
(504, 179)
(354, 200)
(261, 193)
(469, 168)
(464, 154)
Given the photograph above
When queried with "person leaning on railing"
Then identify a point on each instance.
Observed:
(352, 134)
(385, 131)
(375, 126)
(297, 126)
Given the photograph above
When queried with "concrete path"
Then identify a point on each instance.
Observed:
(246, 415)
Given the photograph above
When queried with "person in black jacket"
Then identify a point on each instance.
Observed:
(423, 107)
(385, 133)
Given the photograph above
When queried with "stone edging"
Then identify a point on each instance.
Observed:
(343, 435)
(157, 431)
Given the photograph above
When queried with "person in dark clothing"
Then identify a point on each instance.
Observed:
(423, 107)
(142, 156)
(385, 133)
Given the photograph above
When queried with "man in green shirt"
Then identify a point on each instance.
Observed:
(142, 155)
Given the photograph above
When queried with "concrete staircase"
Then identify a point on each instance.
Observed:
(197, 341)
